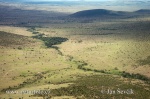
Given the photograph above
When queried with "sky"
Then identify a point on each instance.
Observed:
(86, 0)
(61, 0)
(57, 0)
(76, 0)
(71, 0)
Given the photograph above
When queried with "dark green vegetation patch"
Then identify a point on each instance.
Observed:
(97, 86)
(50, 41)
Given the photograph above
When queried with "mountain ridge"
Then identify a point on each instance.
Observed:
(104, 12)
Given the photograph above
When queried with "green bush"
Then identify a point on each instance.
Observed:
(135, 76)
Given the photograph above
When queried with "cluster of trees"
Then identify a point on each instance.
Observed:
(50, 41)
(135, 76)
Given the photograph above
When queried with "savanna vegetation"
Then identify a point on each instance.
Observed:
(75, 57)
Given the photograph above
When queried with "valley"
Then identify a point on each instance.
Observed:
(74, 57)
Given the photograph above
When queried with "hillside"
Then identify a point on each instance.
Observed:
(11, 15)
(15, 40)
(143, 11)
(108, 13)
(95, 13)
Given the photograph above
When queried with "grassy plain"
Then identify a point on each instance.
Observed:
(93, 58)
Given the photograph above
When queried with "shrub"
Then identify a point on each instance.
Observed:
(144, 61)
(135, 76)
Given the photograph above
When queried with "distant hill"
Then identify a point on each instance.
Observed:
(11, 15)
(95, 13)
(143, 11)
(107, 13)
